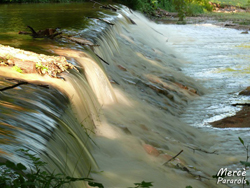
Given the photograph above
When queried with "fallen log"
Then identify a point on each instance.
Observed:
(30, 62)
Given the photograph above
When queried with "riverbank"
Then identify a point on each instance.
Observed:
(241, 119)
(228, 16)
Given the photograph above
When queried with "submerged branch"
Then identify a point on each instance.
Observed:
(21, 83)
(201, 150)
(173, 157)
(102, 59)
(13, 86)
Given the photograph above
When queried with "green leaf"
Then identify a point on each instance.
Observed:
(247, 182)
(245, 163)
(189, 186)
(20, 166)
(11, 165)
(241, 141)
(94, 184)
(144, 184)
(18, 69)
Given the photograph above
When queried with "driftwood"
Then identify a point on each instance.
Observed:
(30, 62)
(46, 33)
(103, 20)
(109, 7)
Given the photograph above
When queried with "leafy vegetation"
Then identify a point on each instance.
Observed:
(40, 66)
(183, 7)
(245, 163)
(240, 3)
(142, 184)
(17, 175)
(18, 69)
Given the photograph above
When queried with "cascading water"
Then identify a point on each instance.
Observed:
(139, 112)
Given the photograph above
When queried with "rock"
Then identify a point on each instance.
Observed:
(166, 156)
(245, 92)
(240, 120)
(144, 127)
(228, 25)
(244, 32)
(30, 62)
(121, 68)
(125, 129)
(26, 66)
(151, 150)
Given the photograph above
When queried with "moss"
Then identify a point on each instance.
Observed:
(16, 68)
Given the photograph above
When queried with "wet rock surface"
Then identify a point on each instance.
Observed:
(240, 120)
(245, 92)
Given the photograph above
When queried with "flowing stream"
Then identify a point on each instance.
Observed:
(162, 87)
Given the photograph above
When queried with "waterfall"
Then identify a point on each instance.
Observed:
(138, 111)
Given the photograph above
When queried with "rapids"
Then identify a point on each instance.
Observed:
(160, 96)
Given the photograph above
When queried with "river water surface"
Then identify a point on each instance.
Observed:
(163, 86)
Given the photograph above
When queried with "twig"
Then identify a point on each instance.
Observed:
(13, 86)
(102, 59)
(96, 3)
(173, 157)
(104, 6)
(201, 150)
(22, 83)
(191, 173)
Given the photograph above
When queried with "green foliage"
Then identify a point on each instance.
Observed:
(189, 186)
(16, 175)
(245, 163)
(142, 184)
(40, 66)
(183, 7)
(19, 176)
(240, 3)
(180, 6)
(18, 69)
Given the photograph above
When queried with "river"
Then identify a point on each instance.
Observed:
(162, 87)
